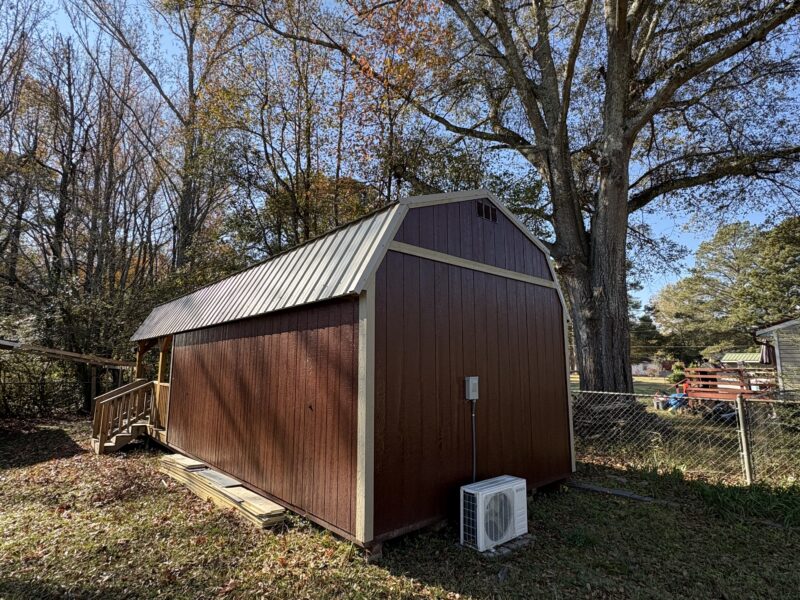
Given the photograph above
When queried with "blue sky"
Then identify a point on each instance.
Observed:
(690, 236)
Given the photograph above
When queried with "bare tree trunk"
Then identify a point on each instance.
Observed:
(599, 311)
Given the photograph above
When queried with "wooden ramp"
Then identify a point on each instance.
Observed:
(222, 490)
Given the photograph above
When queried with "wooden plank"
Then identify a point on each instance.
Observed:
(222, 490)
(258, 505)
(184, 462)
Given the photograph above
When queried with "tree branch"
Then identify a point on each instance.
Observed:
(693, 69)
(739, 166)
(574, 50)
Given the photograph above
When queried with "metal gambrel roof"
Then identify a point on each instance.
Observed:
(336, 264)
(333, 265)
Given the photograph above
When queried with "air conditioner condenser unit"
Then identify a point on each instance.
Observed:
(493, 512)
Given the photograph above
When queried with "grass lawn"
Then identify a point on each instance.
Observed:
(77, 525)
(641, 384)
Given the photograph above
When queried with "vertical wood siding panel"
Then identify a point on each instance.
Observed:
(427, 234)
(502, 422)
(489, 246)
(428, 420)
(453, 225)
(314, 391)
(472, 237)
(493, 395)
(302, 411)
(459, 435)
(488, 409)
(440, 228)
(502, 330)
(520, 359)
(330, 415)
(410, 417)
(447, 400)
(479, 231)
(340, 451)
(468, 214)
(411, 228)
(534, 367)
(392, 431)
(240, 401)
(351, 391)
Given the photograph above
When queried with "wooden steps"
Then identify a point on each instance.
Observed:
(121, 416)
(114, 444)
(222, 490)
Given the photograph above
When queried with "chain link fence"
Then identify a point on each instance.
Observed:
(714, 440)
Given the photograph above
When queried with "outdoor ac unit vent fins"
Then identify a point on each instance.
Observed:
(493, 512)
(470, 520)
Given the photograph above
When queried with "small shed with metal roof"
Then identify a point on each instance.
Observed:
(331, 377)
(740, 359)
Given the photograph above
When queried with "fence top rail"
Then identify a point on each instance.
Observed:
(730, 370)
(766, 397)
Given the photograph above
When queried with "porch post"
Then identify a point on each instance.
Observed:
(164, 345)
(139, 372)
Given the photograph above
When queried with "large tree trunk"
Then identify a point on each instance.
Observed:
(599, 311)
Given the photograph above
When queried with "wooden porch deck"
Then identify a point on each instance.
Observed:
(728, 383)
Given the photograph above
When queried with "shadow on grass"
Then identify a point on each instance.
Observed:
(21, 589)
(23, 444)
(779, 504)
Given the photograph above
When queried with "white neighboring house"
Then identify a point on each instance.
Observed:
(652, 368)
(784, 337)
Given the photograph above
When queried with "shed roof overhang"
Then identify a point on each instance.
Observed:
(777, 326)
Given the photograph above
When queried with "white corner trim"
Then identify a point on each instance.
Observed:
(365, 459)
(468, 264)
(569, 391)
(778, 327)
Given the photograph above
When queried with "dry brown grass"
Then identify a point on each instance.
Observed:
(81, 526)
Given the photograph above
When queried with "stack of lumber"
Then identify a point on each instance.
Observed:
(222, 490)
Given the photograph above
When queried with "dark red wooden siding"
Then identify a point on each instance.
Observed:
(456, 229)
(272, 401)
(436, 324)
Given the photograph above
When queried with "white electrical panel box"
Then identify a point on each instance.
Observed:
(471, 387)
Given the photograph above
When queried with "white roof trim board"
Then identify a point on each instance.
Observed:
(782, 325)
(336, 264)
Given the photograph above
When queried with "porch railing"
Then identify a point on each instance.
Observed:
(117, 410)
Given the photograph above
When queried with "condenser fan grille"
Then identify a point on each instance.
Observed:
(497, 516)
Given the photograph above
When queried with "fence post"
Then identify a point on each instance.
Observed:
(744, 440)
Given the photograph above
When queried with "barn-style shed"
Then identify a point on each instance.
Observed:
(331, 377)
